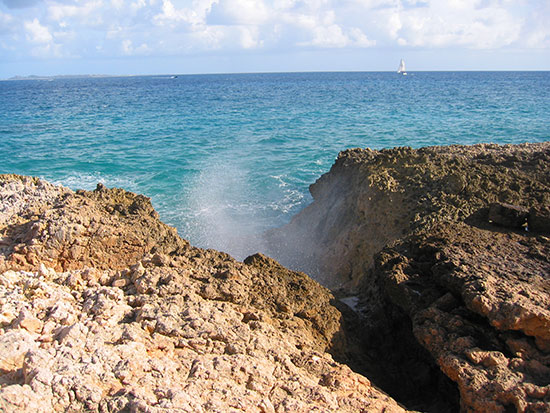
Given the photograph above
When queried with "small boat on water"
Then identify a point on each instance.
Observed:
(401, 69)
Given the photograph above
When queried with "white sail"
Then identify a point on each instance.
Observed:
(401, 68)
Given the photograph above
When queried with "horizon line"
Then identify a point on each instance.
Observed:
(100, 75)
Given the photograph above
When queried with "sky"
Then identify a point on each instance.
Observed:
(118, 37)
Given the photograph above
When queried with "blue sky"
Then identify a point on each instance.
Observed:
(48, 37)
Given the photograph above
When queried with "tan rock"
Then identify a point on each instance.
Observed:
(29, 322)
(21, 398)
(407, 231)
(14, 344)
(121, 328)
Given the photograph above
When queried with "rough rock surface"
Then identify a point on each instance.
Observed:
(104, 308)
(371, 198)
(104, 229)
(440, 284)
(479, 301)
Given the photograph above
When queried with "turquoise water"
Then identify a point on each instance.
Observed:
(225, 156)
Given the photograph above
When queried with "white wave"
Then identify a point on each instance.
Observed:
(280, 180)
(89, 181)
(292, 199)
(225, 213)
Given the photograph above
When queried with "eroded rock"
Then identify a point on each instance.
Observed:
(104, 308)
(483, 315)
(511, 216)
(440, 289)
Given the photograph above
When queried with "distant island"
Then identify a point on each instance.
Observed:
(36, 77)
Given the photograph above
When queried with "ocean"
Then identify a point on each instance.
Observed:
(226, 157)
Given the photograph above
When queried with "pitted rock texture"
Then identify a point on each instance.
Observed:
(448, 250)
(104, 229)
(372, 198)
(479, 302)
(104, 308)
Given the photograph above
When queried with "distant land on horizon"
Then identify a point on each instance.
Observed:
(79, 76)
(39, 77)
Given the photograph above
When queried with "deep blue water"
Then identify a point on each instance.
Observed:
(233, 155)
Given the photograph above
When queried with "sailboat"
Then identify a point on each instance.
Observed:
(401, 69)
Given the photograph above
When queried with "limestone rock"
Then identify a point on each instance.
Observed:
(439, 288)
(44, 226)
(479, 302)
(104, 308)
(372, 198)
(14, 344)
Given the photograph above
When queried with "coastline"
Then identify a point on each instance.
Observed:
(446, 247)
(452, 309)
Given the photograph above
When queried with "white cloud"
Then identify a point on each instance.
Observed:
(190, 15)
(47, 51)
(117, 4)
(89, 12)
(127, 46)
(111, 28)
(209, 37)
(394, 24)
(328, 36)
(539, 39)
(36, 33)
(129, 50)
(249, 37)
(43, 44)
(358, 38)
(460, 23)
(321, 29)
(538, 34)
(6, 23)
(138, 4)
(239, 12)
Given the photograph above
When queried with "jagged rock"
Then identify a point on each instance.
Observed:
(439, 287)
(372, 198)
(45, 225)
(104, 308)
(486, 324)
(114, 312)
(14, 345)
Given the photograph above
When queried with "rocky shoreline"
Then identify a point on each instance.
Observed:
(444, 251)
(104, 308)
(447, 250)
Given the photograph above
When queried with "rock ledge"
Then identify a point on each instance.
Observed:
(104, 308)
(447, 250)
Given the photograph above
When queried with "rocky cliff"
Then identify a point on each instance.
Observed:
(447, 252)
(443, 253)
(104, 308)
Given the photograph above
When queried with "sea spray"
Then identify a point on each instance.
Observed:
(179, 141)
(226, 214)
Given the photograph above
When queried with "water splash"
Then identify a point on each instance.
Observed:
(227, 212)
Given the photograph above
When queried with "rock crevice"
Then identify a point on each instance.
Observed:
(442, 252)
(104, 308)
(447, 250)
